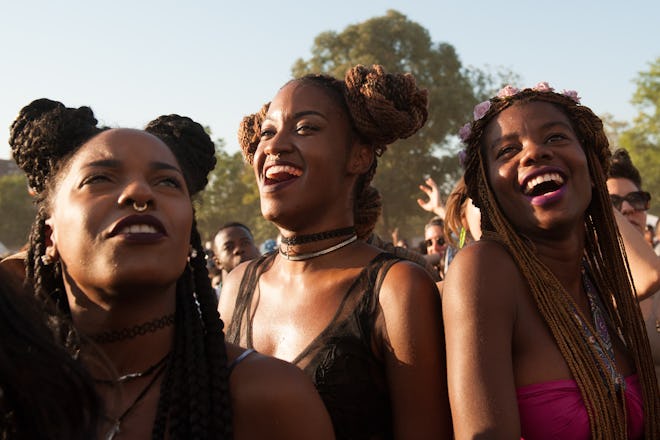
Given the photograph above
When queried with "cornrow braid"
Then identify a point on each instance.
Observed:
(605, 256)
(382, 108)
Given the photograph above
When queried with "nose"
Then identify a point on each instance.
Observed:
(535, 152)
(278, 143)
(136, 193)
(627, 208)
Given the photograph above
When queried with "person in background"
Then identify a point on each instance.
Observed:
(544, 334)
(649, 235)
(624, 185)
(233, 244)
(363, 324)
(114, 250)
(436, 243)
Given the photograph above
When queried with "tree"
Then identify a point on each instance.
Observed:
(642, 140)
(19, 210)
(401, 45)
(231, 195)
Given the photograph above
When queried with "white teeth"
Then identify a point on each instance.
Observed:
(139, 229)
(277, 169)
(554, 177)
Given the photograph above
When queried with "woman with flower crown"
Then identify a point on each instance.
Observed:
(363, 324)
(544, 335)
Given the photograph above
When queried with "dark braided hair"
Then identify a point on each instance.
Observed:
(381, 107)
(605, 256)
(196, 386)
(194, 400)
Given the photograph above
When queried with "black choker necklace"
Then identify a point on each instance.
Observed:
(309, 238)
(131, 332)
(301, 257)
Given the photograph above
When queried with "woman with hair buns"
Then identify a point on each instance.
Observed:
(115, 257)
(544, 335)
(363, 324)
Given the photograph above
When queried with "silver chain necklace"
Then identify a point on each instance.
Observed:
(301, 257)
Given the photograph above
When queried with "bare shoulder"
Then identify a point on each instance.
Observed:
(406, 281)
(483, 285)
(230, 287)
(482, 267)
(270, 395)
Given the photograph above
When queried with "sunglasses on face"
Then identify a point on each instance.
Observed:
(639, 200)
(440, 241)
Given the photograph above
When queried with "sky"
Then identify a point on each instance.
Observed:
(217, 61)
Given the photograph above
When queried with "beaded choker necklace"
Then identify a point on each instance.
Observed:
(132, 332)
(301, 257)
(309, 238)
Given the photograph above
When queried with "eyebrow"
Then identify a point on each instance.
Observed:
(302, 113)
(545, 126)
(114, 163)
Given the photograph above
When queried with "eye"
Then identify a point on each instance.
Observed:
(94, 179)
(267, 133)
(172, 182)
(506, 151)
(304, 129)
(556, 137)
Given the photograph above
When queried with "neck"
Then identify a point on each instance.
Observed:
(300, 247)
(135, 349)
(564, 259)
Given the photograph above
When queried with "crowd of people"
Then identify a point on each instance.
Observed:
(531, 311)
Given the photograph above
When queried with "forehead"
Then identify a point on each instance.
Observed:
(524, 116)
(620, 186)
(433, 231)
(231, 233)
(298, 96)
(127, 146)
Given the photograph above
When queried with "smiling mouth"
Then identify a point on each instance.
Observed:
(543, 184)
(281, 173)
(139, 229)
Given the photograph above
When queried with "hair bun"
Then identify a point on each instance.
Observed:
(249, 132)
(191, 145)
(45, 131)
(385, 107)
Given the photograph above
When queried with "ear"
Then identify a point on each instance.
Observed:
(50, 239)
(360, 159)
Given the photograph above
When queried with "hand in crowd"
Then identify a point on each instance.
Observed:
(434, 203)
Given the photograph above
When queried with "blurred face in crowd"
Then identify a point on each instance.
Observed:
(234, 245)
(434, 238)
(628, 199)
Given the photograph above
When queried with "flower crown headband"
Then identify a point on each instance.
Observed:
(508, 91)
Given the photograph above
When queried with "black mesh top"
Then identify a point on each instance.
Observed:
(341, 360)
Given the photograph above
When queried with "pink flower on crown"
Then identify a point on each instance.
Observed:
(481, 109)
(462, 157)
(543, 87)
(507, 91)
(464, 132)
(571, 94)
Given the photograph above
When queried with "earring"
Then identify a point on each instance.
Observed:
(140, 208)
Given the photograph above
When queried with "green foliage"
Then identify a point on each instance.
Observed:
(231, 195)
(401, 45)
(642, 140)
(16, 204)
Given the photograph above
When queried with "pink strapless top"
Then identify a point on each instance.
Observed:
(555, 410)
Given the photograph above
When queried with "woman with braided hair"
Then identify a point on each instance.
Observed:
(363, 324)
(544, 335)
(115, 255)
